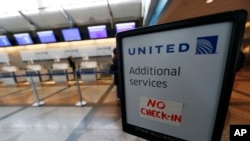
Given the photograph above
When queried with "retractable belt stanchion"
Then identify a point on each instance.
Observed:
(38, 102)
(80, 102)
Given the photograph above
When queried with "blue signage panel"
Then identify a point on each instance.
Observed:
(4, 41)
(23, 39)
(71, 34)
(176, 79)
(96, 32)
(46, 36)
(125, 26)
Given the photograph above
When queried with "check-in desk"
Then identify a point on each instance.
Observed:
(88, 71)
(18, 75)
(7, 78)
(41, 72)
(59, 72)
(33, 75)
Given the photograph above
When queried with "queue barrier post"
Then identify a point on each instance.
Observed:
(81, 102)
(33, 86)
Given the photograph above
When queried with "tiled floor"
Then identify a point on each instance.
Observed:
(99, 120)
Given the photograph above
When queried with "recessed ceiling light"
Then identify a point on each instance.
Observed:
(248, 25)
(209, 1)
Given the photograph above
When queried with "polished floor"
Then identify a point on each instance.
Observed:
(99, 120)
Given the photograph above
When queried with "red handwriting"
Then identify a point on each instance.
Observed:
(161, 115)
(155, 103)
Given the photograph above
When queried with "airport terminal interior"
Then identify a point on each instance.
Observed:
(42, 98)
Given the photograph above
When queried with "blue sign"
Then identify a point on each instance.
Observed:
(46, 36)
(23, 39)
(71, 34)
(4, 41)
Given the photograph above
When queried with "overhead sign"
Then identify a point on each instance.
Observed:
(47, 54)
(176, 79)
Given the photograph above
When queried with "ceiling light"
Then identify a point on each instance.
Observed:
(248, 25)
(209, 1)
(84, 5)
(31, 12)
(51, 9)
(11, 14)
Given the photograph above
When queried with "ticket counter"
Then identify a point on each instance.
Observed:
(34, 75)
(7, 78)
(59, 72)
(41, 72)
(18, 75)
(88, 71)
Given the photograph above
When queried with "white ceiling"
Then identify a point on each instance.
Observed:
(185, 9)
(108, 11)
(65, 13)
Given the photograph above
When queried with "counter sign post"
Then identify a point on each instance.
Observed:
(176, 78)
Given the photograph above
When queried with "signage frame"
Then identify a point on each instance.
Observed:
(238, 19)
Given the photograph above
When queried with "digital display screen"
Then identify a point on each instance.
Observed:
(23, 39)
(4, 41)
(71, 34)
(96, 32)
(125, 26)
(46, 36)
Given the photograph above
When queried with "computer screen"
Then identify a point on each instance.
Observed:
(46, 36)
(96, 32)
(4, 41)
(23, 39)
(124, 26)
(71, 34)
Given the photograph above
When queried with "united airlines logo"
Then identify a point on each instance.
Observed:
(206, 45)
